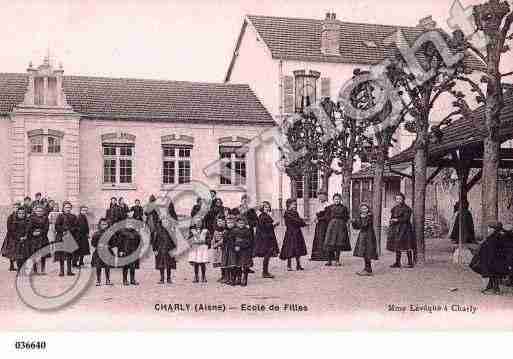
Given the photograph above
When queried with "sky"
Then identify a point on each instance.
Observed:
(188, 40)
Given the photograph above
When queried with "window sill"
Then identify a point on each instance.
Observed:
(42, 154)
(230, 188)
(177, 187)
(118, 187)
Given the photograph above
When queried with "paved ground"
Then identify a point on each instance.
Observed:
(334, 297)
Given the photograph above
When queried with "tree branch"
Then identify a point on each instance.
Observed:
(472, 84)
(476, 52)
(507, 74)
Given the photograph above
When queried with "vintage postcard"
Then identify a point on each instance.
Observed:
(256, 164)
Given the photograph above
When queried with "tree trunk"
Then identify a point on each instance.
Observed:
(419, 194)
(491, 143)
(306, 196)
(293, 189)
(377, 196)
(347, 171)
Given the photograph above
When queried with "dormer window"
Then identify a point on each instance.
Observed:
(45, 86)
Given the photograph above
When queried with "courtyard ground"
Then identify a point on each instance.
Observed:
(335, 298)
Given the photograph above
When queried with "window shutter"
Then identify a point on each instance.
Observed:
(288, 94)
(325, 87)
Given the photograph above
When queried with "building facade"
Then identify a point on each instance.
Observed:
(87, 139)
(301, 61)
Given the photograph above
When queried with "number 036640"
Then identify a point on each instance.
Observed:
(30, 345)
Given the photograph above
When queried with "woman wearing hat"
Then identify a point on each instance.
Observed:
(321, 225)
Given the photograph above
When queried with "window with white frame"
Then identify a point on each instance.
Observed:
(313, 188)
(176, 164)
(118, 163)
(36, 144)
(233, 169)
(54, 144)
(305, 88)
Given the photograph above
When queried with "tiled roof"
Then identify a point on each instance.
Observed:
(300, 39)
(176, 101)
(464, 132)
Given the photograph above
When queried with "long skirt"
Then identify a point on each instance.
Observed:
(199, 254)
(164, 261)
(228, 259)
(337, 236)
(37, 243)
(318, 251)
(9, 247)
(83, 246)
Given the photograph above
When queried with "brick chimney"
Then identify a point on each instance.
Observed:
(427, 23)
(330, 35)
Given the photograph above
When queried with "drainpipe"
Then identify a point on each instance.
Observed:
(280, 175)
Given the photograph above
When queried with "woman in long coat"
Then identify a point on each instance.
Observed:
(9, 245)
(321, 225)
(294, 245)
(83, 238)
(494, 258)
(266, 245)
(366, 246)
(469, 234)
(37, 234)
(400, 237)
(19, 230)
(337, 234)
(162, 244)
(65, 223)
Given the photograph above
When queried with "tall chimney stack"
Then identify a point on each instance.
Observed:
(330, 35)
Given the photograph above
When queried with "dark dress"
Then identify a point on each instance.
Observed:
(318, 251)
(171, 211)
(83, 236)
(114, 214)
(9, 245)
(211, 217)
(293, 243)
(468, 228)
(494, 257)
(128, 244)
(366, 246)
(243, 247)
(400, 236)
(162, 244)
(138, 212)
(337, 235)
(96, 261)
(228, 252)
(37, 242)
(266, 244)
(65, 222)
(22, 244)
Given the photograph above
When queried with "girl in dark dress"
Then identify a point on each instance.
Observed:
(37, 234)
(337, 235)
(83, 238)
(19, 230)
(250, 217)
(113, 213)
(129, 240)
(266, 245)
(96, 260)
(9, 245)
(321, 225)
(123, 209)
(65, 224)
(138, 210)
(162, 244)
(196, 208)
(294, 245)
(243, 248)
(228, 252)
(366, 246)
(400, 237)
